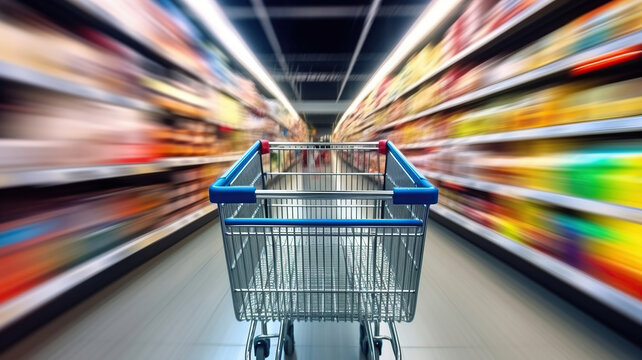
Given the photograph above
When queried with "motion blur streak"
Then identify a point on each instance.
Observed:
(519, 138)
(85, 107)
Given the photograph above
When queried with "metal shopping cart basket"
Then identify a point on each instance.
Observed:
(323, 232)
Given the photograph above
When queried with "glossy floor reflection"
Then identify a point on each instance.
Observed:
(178, 306)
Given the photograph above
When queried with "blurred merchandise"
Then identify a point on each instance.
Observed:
(103, 138)
(538, 139)
(606, 248)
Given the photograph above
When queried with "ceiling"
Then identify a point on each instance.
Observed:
(308, 46)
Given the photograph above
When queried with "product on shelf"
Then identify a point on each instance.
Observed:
(558, 119)
(41, 236)
(611, 21)
(167, 101)
(610, 171)
(606, 248)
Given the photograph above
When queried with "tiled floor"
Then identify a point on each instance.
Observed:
(178, 306)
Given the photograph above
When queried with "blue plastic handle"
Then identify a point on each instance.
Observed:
(324, 222)
(424, 193)
(221, 192)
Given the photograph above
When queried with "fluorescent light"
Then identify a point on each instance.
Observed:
(213, 18)
(436, 12)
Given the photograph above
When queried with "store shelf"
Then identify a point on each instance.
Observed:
(69, 175)
(33, 299)
(23, 75)
(541, 73)
(607, 295)
(628, 124)
(531, 14)
(90, 8)
(567, 201)
(198, 160)
(248, 105)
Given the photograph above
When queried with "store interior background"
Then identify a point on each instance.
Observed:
(115, 117)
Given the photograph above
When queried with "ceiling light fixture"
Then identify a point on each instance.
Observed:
(432, 17)
(212, 17)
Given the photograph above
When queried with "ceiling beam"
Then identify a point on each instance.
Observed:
(318, 12)
(318, 77)
(320, 107)
(264, 18)
(362, 38)
(325, 57)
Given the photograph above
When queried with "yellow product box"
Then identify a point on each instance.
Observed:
(509, 228)
(526, 113)
(437, 54)
(628, 17)
(412, 68)
(499, 120)
(622, 187)
(620, 240)
(457, 124)
(552, 102)
(573, 106)
(427, 59)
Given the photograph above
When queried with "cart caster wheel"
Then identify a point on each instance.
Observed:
(363, 341)
(378, 345)
(259, 353)
(288, 344)
(261, 349)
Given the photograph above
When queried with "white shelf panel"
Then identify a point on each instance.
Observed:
(18, 307)
(592, 287)
(567, 201)
(198, 160)
(611, 126)
(69, 175)
(41, 80)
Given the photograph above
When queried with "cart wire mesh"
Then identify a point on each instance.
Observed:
(327, 268)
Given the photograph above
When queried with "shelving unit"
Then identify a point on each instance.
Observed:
(95, 12)
(510, 28)
(557, 67)
(600, 127)
(33, 299)
(23, 75)
(613, 298)
(69, 175)
(90, 8)
(572, 97)
(178, 89)
(567, 201)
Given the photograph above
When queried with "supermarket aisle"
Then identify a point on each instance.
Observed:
(178, 306)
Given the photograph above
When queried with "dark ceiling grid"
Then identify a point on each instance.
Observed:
(307, 45)
(367, 23)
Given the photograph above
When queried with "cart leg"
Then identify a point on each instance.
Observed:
(261, 343)
(394, 340)
(369, 338)
(371, 335)
(279, 342)
(250, 341)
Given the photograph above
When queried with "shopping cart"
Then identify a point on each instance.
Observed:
(318, 232)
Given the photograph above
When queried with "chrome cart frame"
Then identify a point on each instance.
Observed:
(323, 232)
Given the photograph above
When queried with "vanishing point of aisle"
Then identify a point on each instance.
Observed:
(178, 306)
